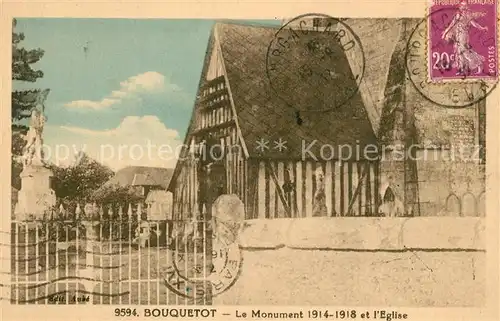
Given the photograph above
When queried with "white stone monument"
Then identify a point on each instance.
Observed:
(35, 198)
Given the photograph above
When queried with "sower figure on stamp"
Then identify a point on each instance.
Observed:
(466, 59)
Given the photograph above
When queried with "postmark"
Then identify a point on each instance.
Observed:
(462, 40)
(207, 274)
(452, 93)
(315, 54)
(221, 269)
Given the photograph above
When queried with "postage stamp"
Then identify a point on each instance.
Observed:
(331, 165)
(463, 40)
(458, 92)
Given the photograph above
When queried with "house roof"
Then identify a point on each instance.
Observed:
(263, 114)
(143, 180)
(141, 175)
(379, 37)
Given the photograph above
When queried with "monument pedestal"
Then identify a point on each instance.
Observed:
(35, 198)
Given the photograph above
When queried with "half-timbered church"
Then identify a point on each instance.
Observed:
(282, 164)
(279, 165)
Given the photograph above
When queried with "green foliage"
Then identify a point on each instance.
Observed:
(23, 101)
(84, 183)
(16, 168)
(22, 59)
(76, 183)
(117, 194)
(59, 228)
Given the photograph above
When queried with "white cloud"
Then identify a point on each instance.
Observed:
(148, 82)
(118, 94)
(106, 102)
(136, 141)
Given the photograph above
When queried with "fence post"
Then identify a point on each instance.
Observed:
(90, 274)
(141, 235)
(61, 210)
(78, 212)
(139, 212)
(110, 227)
(129, 221)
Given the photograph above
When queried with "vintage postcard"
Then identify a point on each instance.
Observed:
(280, 161)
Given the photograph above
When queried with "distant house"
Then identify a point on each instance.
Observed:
(141, 179)
(145, 183)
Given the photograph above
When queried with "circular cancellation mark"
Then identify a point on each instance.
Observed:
(219, 271)
(466, 90)
(315, 63)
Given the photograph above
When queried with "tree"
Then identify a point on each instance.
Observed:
(78, 182)
(117, 194)
(23, 101)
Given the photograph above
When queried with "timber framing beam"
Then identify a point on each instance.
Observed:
(281, 193)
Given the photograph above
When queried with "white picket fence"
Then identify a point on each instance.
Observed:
(105, 254)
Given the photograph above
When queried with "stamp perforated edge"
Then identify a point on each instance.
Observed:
(467, 80)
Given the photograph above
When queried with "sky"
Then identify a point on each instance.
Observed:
(127, 98)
